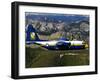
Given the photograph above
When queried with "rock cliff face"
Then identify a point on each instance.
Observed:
(53, 28)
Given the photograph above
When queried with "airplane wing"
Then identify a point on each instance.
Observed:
(63, 44)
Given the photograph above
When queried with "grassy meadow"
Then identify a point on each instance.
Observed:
(39, 57)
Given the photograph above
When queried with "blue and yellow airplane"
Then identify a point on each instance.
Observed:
(60, 44)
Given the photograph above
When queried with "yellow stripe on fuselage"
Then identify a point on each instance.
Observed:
(76, 44)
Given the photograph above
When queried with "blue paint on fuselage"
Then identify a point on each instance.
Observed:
(63, 47)
(77, 47)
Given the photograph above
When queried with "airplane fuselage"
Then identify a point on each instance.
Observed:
(54, 42)
(61, 44)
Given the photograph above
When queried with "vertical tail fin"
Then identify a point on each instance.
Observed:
(31, 34)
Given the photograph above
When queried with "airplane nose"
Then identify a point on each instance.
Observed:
(83, 42)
